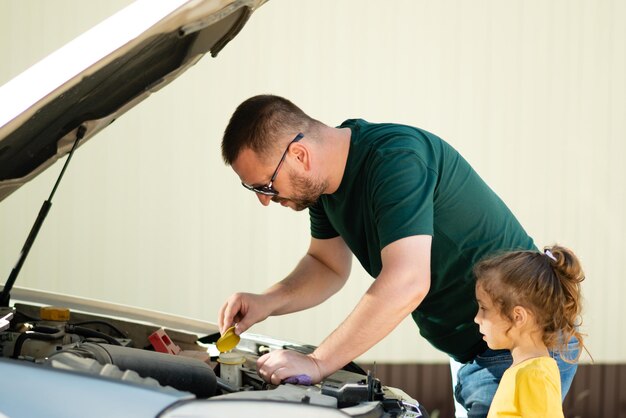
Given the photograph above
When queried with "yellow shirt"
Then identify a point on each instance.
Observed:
(531, 389)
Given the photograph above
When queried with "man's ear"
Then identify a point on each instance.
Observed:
(302, 154)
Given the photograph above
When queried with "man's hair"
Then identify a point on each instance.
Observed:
(258, 122)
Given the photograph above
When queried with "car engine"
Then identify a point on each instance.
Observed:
(149, 355)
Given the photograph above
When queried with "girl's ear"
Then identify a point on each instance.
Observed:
(520, 316)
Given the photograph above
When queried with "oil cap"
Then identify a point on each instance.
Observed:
(54, 313)
(228, 341)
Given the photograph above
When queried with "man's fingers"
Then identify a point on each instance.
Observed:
(261, 367)
(241, 326)
(241, 309)
(227, 320)
(270, 370)
(279, 375)
(261, 362)
(231, 309)
(279, 365)
(220, 318)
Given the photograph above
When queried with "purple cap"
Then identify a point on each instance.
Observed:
(299, 379)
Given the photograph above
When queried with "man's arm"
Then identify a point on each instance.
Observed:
(401, 286)
(319, 274)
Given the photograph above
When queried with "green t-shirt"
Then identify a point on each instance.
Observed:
(401, 181)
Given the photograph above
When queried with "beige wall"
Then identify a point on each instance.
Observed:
(533, 93)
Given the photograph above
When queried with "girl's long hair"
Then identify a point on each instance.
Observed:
(547, 284)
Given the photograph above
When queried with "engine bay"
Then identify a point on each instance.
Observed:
(173, 360)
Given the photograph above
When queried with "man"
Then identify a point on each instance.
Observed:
(406, 204)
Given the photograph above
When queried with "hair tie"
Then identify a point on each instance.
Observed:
(550, 255)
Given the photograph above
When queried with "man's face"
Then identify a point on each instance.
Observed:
(304, 192)
(296, 190)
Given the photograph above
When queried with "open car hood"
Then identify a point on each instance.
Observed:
(84, 86)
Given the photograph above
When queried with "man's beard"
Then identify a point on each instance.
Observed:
(306, 192)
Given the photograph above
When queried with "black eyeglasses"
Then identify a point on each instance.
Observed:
(268, 189)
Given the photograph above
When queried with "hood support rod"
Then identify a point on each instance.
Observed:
(43, 212)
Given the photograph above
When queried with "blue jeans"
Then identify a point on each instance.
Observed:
(478, 380)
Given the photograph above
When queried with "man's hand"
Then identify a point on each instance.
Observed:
(244, 310)
(278, 365)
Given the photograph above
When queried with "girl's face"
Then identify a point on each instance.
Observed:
(492, 324)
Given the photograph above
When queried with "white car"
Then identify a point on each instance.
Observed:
(64, 356)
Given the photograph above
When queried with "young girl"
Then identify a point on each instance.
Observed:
(529, 303)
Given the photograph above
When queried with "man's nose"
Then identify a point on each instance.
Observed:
(264, 199)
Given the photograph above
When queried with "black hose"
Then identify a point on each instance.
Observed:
(88, 332)
(108, 324)
(39, 332)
